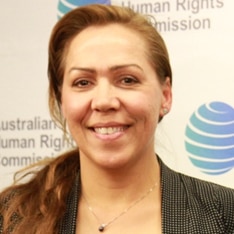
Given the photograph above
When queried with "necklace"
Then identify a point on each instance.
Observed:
(102, 226)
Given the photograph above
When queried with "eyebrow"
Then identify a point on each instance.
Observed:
(117, 67)
(113, 68)
(90, 70)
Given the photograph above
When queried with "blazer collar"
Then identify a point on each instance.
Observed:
(174, 204)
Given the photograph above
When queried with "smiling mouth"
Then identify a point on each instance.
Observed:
(109, 130)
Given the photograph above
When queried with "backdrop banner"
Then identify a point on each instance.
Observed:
(195, 138)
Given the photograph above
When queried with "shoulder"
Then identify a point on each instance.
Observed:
(214, 199)
(49, 183)
(1, 224)
(6, 209)
(204, 200)
(208, 191)
(197, 186)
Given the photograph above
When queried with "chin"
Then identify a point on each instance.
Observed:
(114, 162)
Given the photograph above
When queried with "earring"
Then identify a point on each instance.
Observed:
(165, 111)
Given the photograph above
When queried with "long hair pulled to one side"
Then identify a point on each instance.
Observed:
(38, 205)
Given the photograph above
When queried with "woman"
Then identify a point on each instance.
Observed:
(110, 85)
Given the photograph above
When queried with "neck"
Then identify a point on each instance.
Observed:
(119, 185)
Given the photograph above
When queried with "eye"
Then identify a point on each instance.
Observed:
(129, 80)
(82, 83)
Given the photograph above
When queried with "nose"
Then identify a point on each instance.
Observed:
(105, 97)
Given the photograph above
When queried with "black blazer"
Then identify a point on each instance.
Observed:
(189, 206)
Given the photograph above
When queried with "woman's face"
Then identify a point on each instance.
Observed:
(111, 96)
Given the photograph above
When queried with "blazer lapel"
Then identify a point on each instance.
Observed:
(174, 203)
(68, 224)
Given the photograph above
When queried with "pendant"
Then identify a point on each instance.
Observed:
(101, 228)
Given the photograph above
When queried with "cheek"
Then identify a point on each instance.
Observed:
(73, 108)
(145, 106)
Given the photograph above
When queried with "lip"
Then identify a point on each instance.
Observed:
(109, 131)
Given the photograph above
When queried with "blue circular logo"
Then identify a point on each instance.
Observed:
(210, 138)
(64, 6)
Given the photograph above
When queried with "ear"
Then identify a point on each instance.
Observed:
(166, 98)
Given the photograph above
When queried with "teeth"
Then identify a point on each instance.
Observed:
(109, 130)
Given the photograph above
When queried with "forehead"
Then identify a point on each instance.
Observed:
(112, 39)
(114, 29)
(107, 33)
